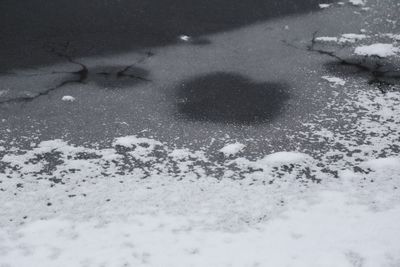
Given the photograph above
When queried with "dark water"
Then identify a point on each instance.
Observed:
(97, 27)
(230, 98)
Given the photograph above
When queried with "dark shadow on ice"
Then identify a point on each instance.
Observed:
(223, 97)
(115, 26)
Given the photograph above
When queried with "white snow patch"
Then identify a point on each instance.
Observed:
(358, 2)
(184, 38)
(326, 39)
(68, 98)
(351, 37)
(335, 81)
(378, 49)
(327, 230)
(390, 164)
(324, 5)
(133, 140)
(232, 149)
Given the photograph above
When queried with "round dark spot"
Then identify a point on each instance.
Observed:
(229, 98)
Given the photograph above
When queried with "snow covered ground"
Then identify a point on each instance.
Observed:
(125, 206)
(328, 229)
(143, 201)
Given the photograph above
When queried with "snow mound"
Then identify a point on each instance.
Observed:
(379, 49)
(133, 140)
(184, 38)
(344, 38)
(232, 149)
(358, 2)
(326, 39)
(324, 5)
(68, 98)
(352, 37)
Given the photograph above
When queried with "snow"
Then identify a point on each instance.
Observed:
(232, 149)
(184, 38)
(326, 39)
(143, 202)
(324, 5)
(344, 38)
(393, 36)
(328, 229)
(357, 2)
(384, 165)
(133, 140)
(68, 98)
(169, 205)
(142, 147)
(335, 81)
(352, 37)
(285, 157)
(378, 49)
